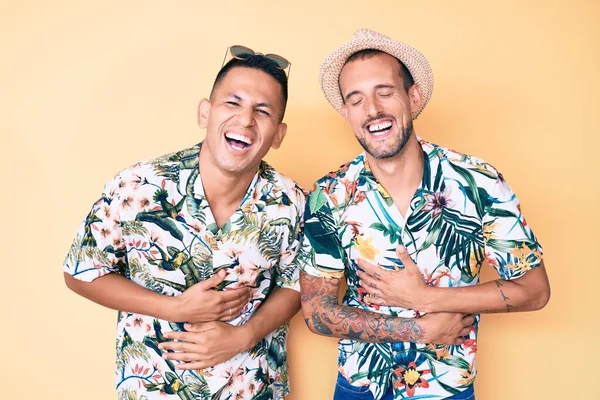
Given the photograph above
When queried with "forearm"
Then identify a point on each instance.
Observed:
(278, 308)
(365, 326)
(119, 293)
(528, 293)
(325, 316)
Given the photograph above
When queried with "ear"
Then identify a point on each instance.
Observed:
(279, 135)
(344, 111)
(415, 98)
(203, 111)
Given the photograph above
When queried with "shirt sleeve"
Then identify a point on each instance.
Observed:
(322, 251)
(510, 245)
(98, 248)
(287, 274)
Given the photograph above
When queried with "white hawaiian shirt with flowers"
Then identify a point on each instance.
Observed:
(153, 225)
(463, 215)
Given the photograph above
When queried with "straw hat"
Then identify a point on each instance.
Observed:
(367, 39)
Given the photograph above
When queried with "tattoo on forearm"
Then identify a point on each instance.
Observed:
(331, 319)
(319, 325)
(499, 284)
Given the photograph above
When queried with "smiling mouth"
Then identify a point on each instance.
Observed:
(379, 128)
(237, 141)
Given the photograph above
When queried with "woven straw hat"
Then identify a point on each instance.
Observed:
(367, 39)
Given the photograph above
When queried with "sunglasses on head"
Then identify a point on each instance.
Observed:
(243, 53)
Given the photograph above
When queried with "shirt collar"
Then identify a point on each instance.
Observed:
(198, 188)
(432, 155)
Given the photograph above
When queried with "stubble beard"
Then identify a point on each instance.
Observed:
(404, 135)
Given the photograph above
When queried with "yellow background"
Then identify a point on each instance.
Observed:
(88, 88)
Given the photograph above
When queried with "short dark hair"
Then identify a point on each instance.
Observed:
(368, 53)
(261, 63)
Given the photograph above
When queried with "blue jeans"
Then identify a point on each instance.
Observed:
(345, 391)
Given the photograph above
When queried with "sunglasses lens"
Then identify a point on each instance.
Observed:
(240, 52)
(280, 61)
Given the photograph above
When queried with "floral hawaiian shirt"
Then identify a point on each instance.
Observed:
(153, 225)
(462, 215)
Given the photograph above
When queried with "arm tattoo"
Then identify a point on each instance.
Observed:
(319, 325)
(499, 284)
(327, 317)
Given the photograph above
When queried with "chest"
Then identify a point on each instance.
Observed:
(172, 244)
(440, 231)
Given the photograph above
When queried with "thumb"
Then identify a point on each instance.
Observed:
(404, 257)
(214, 280)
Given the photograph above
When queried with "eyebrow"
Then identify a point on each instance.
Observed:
(380, 86)
(352, 93)
(385, 86)
(267, 105)
(238, 98)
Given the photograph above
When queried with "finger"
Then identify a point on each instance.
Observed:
(183, 336)
(199, 327)
(361, 274)
(459, 341)
(192, 365)
(468, 320)
(213, 280)
(233, 314)
(465, 331)
(189, 357)
(227, 304)
(236, 307)
(404, 257)
(223, 296)
(365, 265)
(374, 300)
(367, 288)
(367, 280)
(179, 346)
(374, 273)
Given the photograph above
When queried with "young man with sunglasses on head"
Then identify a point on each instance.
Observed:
(197, 250)
(408, 224)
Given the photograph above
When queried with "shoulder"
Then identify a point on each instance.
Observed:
(164, 167)
(347, 172)
(282, 183)
(465, 167)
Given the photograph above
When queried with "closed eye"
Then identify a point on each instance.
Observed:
(357, 102)
(232, 103)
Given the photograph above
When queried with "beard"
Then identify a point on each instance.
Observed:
(389, 152)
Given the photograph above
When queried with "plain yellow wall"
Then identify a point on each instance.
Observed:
(88, 88)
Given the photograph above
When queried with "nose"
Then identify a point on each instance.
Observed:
(373, 107)
(246, 116)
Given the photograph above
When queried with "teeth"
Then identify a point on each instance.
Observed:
(241, 138)
(380, 127)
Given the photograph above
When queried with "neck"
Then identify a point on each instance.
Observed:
(228, 188)
(400, 173)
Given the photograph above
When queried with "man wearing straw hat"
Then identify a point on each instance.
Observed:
(200, 246)
(409, 225)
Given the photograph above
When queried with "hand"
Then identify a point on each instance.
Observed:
(404, 287)
(200, 303)
(446, 328)
(206, 345)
